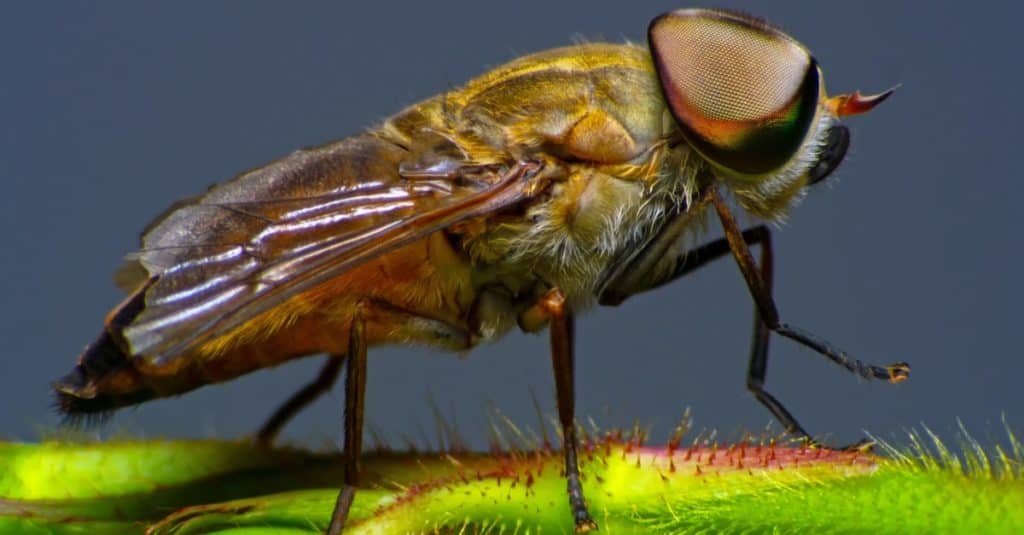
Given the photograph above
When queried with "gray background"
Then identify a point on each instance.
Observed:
(111, 111)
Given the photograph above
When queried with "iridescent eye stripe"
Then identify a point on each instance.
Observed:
(762, 146)
(743, 93)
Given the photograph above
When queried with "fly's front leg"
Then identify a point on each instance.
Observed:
(635, 276)
(552, 309)
(761, 293)
(759, 282)
(758, 367)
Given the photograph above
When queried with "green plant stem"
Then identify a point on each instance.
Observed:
(191, 487)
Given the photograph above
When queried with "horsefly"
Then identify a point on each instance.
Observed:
(561, 179)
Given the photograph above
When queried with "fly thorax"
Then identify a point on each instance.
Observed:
(593, 216)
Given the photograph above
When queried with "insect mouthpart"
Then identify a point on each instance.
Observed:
(836, 144)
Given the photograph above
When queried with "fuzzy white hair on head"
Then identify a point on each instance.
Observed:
(770, 197)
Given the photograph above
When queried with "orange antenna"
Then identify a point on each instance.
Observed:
(843, 105)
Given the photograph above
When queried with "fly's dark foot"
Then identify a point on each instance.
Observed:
(800, 437)
(341, 507)
(263, 442)
(861, 446)
(898, 372)
(266, 436)
(585, 524)
(864, 445)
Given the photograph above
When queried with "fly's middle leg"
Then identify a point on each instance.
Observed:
(552, 310)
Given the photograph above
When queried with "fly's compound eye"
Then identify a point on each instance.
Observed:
(743, 93)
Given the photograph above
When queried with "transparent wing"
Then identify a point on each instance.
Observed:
(269, 234)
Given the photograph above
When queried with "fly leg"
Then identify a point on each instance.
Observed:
(760, 290)
(552, 309)
(630, 282)
(404, 325)
(756, 371)
(355, 397)
(324, 381)
(758, 367)
(759, 282)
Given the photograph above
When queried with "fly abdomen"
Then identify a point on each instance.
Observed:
(104, 378)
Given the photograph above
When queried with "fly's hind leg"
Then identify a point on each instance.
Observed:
(408, 327)
(355, 397)
(324, 381)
